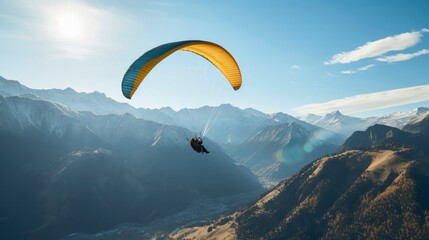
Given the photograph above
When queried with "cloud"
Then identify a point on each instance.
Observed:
(379, 47)
(349, 72)
(364, 68)
(370, 101)
(295, 66)
(402, 56)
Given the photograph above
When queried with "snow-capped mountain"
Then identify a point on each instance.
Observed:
(309, 117)
(419, 124)
(225, 124)
(19, 114)
(320, 133)
(346, 125)
(281, 118)
(341, 124)
(94, 102)
(398, 119)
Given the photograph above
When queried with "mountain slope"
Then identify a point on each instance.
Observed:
(371, 193)
(95, 102)
(381, 135)
(419, 124)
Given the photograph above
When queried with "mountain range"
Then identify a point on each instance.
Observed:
(242, 123)
(346, 125)
(82, 162)
(229, 126)
(235, 129)
(64, 171)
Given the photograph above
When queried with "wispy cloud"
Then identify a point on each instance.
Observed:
(295, 66)
(349, 72)
(402, 56)
(379, 47)
(364, 68)
(370, 101)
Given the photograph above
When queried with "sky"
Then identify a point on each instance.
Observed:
(363, 58)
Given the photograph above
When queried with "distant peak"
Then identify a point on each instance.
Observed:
(9, 81)
(168, 108)
(69, 89)
(226, 105)
(279, 114)
(98, 94)
(309, 115)
(335, 114)
(421, 110)
(281, 117)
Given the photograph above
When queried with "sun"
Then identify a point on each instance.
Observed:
(75, 28)
(69, 26)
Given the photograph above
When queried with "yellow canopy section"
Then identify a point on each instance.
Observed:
(221, 58)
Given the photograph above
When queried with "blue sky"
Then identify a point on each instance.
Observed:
(360, 57)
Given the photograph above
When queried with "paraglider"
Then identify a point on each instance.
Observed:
(197, 145)
(212, 52)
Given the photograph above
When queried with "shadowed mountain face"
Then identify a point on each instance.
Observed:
(419, 124)
(377, 192)
(279, 151)
(380, 135)
(63, 171)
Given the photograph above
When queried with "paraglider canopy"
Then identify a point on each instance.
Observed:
(214, 53)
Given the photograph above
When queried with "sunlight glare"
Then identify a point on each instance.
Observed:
(69, 26)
